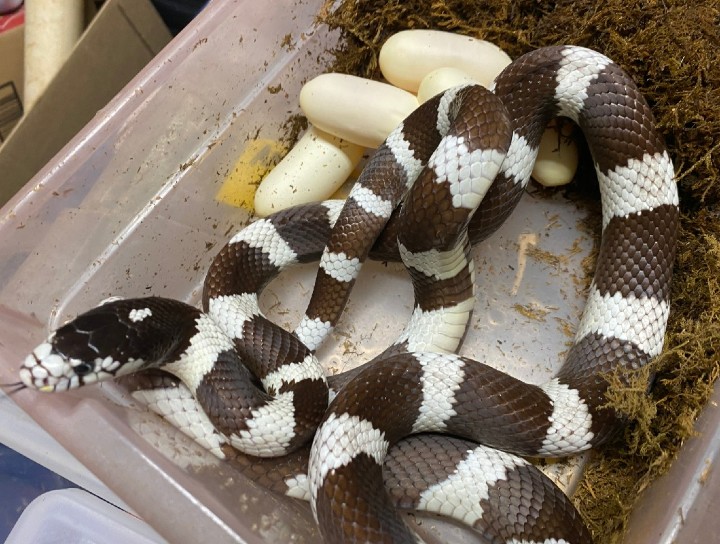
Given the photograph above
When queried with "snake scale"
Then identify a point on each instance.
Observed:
(445, 178)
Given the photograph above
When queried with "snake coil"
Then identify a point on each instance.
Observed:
(447, 177)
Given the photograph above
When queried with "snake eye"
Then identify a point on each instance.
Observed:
(82, 369)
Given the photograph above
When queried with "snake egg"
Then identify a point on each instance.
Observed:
(313, 169)
(358, 110)
(557, 159)
(408, 56)
(440, 80)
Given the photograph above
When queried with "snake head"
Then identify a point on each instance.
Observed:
(107, 341)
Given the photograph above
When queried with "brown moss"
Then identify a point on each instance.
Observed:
(670, 47)
(293, 127)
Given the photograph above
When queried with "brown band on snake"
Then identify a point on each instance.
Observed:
(586, 368)
(432, 293)
(306, 229)
(360, 525)
(265, 347)
(515, 415)
(425, 466)
(229, 412)
(638, 266)
(499, 202)
(229, 275)
(528, 518)
(527, 82)
(423, 143)
(620, 107)
(428, 206)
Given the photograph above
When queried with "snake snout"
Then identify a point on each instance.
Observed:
(48, 369)
(45, 369)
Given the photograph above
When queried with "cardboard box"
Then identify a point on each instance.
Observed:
(123, 37)
(11, 78)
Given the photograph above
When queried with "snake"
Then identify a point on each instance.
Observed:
(446, 178)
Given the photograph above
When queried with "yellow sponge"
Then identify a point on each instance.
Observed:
(256, 160)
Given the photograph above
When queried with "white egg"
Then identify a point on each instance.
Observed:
(355, 109)
(313, 169)
(408, 56)
(441, 80)
(557, 159)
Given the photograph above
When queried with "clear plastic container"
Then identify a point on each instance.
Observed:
(130, 207)
(74, 516)
(21, 433)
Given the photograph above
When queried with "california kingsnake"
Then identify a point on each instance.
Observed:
(622, 327)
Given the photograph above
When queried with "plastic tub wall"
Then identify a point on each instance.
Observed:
(129, 208)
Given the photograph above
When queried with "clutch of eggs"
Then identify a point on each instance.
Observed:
(349, 114)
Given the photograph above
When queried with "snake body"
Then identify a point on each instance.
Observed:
(439, 163)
